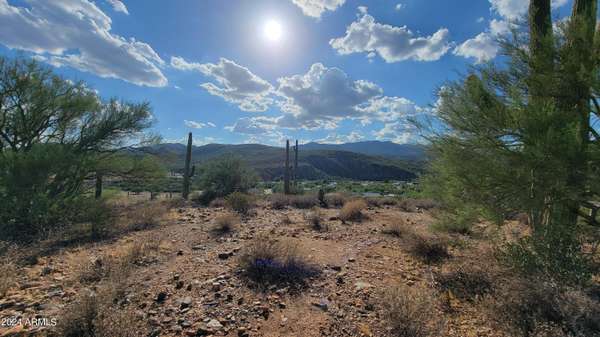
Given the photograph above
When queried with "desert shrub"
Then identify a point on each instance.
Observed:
(353, 210)
(266, 262)
(225, 175)
(279, 201)
(415, 205)
(7, 276)
(304, 201)
(535, 307)
(285, 220)
(465, 282)
(225, 223)
(95, 315)
(398, 228)
(218, 203)
(458, 221)
(335, 199)
(411, 312)
(239, 202)
(145, 215)
(313, 217)
(430, 249)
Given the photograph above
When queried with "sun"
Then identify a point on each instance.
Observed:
(273, 30)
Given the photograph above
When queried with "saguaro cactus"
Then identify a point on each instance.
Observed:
(286, 171)
(186, 173)
(296, 164)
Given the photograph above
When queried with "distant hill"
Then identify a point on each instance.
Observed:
(313, 163)
(376, 148)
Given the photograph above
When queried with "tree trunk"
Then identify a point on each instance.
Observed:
(186, 172)
(98, 185)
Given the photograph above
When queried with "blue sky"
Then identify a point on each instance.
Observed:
(259, 71)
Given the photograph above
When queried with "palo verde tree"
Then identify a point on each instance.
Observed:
(519, 137)
(52, 132)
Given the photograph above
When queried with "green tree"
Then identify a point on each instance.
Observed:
(225, 175)
(51, 133)
(519, 137)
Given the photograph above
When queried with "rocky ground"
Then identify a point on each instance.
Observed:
(192, 285)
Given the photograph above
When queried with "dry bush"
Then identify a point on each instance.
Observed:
(285, 220)
(7, 276)
(145, 215)
(398, 228)
(415, 205)
(353, 210)
(335, 199)
(269, 262)
(279, 201)
(313, 218)
(411, 312)
(218, 203)
(534, 307)
(430, 249)
(304, 201)
(225, 223)
(240, 202)
(465, 282)
(95, 315)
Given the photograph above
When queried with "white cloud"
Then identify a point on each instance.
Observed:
(482, 48)
(315, 8)
(334, 138)
(254, 125)
(196, 141)
(398, 132)
(480, 19)
(118, 6)
(322, 97)
(516, 9)
(238, 85)
(198, 125)
(399, 6)
(499, 27)
(393, 44)
(77, 33)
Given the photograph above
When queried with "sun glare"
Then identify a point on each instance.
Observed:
(273, 30)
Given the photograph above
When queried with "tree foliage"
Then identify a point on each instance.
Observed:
(520, 137)
(225, 175)
(52, 133)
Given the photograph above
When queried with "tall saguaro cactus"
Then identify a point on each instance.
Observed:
(286, 171)
(296, 164)
(186, 173)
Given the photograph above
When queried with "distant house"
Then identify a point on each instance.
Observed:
(371, 194)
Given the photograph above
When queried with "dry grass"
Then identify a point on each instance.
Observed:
(398, 228)
(145, 215)
(416, 205)
(411, 312)
(225, 223)
(96, 315)
(7, 276)
(535, 307)
(353, 210)
(430, 249)
(286, 220)
(267, 262)
(302, 201)
(381, 201)
(240, 202)
(218, 203)
(466, 282)
(314, 219)
(335, 199)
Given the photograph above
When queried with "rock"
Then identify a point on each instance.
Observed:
(197, 247)
(46, 270)
(242, 332)
(161, 297)
(186, 302)
(225, 255)
(179, 284)
(351, 259)
(180, 252)
(336, 267)
(204, 330)
(322, 304)
(360, 285)
(214, 324)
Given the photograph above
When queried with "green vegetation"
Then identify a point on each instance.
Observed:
(54, 134)
(521, 140)
(223, 176)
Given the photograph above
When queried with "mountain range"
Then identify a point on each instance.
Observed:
(371, 160)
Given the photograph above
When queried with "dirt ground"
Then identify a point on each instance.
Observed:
(358, 262)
